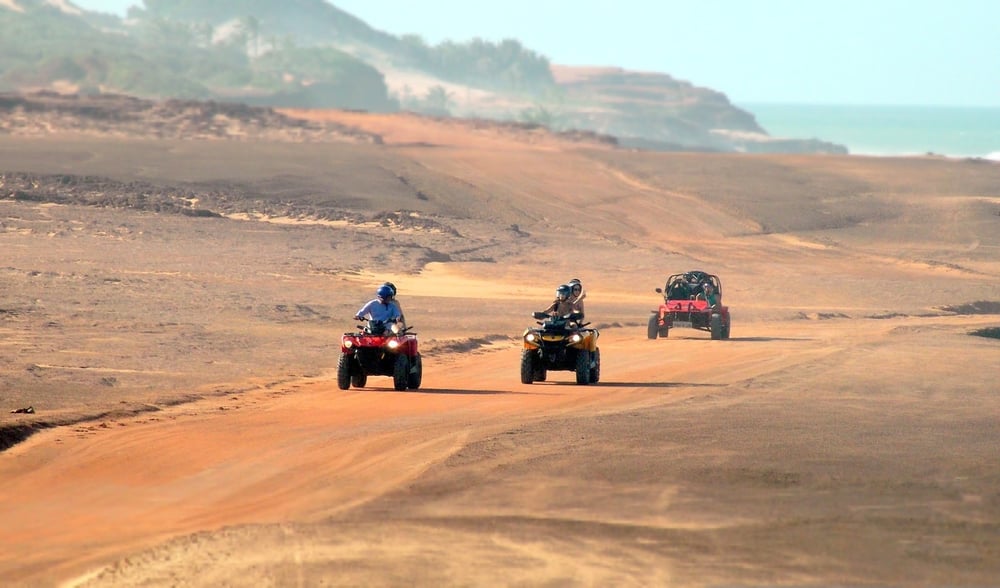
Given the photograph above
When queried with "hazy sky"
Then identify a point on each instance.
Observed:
(808, 51)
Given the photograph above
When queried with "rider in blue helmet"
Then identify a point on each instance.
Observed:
(380, 308)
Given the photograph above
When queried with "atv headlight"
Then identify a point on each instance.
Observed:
(393, 343)
(576, 338)
(530, 337)
(348, 343)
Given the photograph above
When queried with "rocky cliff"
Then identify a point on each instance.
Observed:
(657, 111)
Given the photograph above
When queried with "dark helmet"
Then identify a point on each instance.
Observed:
(391, 285)
(384, 293)
(563, 291)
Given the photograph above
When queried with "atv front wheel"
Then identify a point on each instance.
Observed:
(400, 372)
(344, 372)
(359, 379)
(416, 373)
(595, 369)
(528, 361)
(653, 328)
(583, 367)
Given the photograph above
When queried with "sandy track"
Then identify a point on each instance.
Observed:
(318, 473)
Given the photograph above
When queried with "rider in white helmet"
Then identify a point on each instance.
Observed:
(395, 301)
(576, 295)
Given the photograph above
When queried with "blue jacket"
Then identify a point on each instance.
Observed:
(377, 310)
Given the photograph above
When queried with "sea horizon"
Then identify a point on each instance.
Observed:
(886, 130)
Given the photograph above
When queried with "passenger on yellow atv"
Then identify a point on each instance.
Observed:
(577, 295)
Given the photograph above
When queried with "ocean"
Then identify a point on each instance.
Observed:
(887, 130)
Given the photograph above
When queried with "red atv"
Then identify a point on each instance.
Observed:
(379, 349)
(684, 306)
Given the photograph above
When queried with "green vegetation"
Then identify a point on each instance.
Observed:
(322, 77)
(991, 332)
(237, 49)
(503, 66)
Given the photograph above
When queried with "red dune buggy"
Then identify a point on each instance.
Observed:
(684, 305)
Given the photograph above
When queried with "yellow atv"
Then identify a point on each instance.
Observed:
(560, 343)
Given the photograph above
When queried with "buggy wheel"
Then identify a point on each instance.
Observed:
(725, 329)
(540, 374)
(416, 373)
(400, 372)
(653, 328)
(583, 367)
(528, 361)
(716, 325)
(595, 369)
(344, 372)
(359, 379)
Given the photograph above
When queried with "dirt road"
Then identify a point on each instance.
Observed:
(808, 453)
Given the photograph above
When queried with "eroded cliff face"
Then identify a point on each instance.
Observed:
(657, 111)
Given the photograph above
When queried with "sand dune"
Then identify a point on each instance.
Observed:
(189, 430)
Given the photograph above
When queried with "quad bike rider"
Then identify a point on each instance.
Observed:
(561, 343)
(381, 347)
(692, 299)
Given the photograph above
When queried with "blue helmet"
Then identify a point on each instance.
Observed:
(384, 293)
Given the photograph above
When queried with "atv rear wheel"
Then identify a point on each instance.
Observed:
(595, 370)
(716, 325)
(583, 367)
(653, 328)
(400, 372)
(344, 372)
(416, 373)
(528, 371)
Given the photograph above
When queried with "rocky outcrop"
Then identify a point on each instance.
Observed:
(655, 110)
(40, 113)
